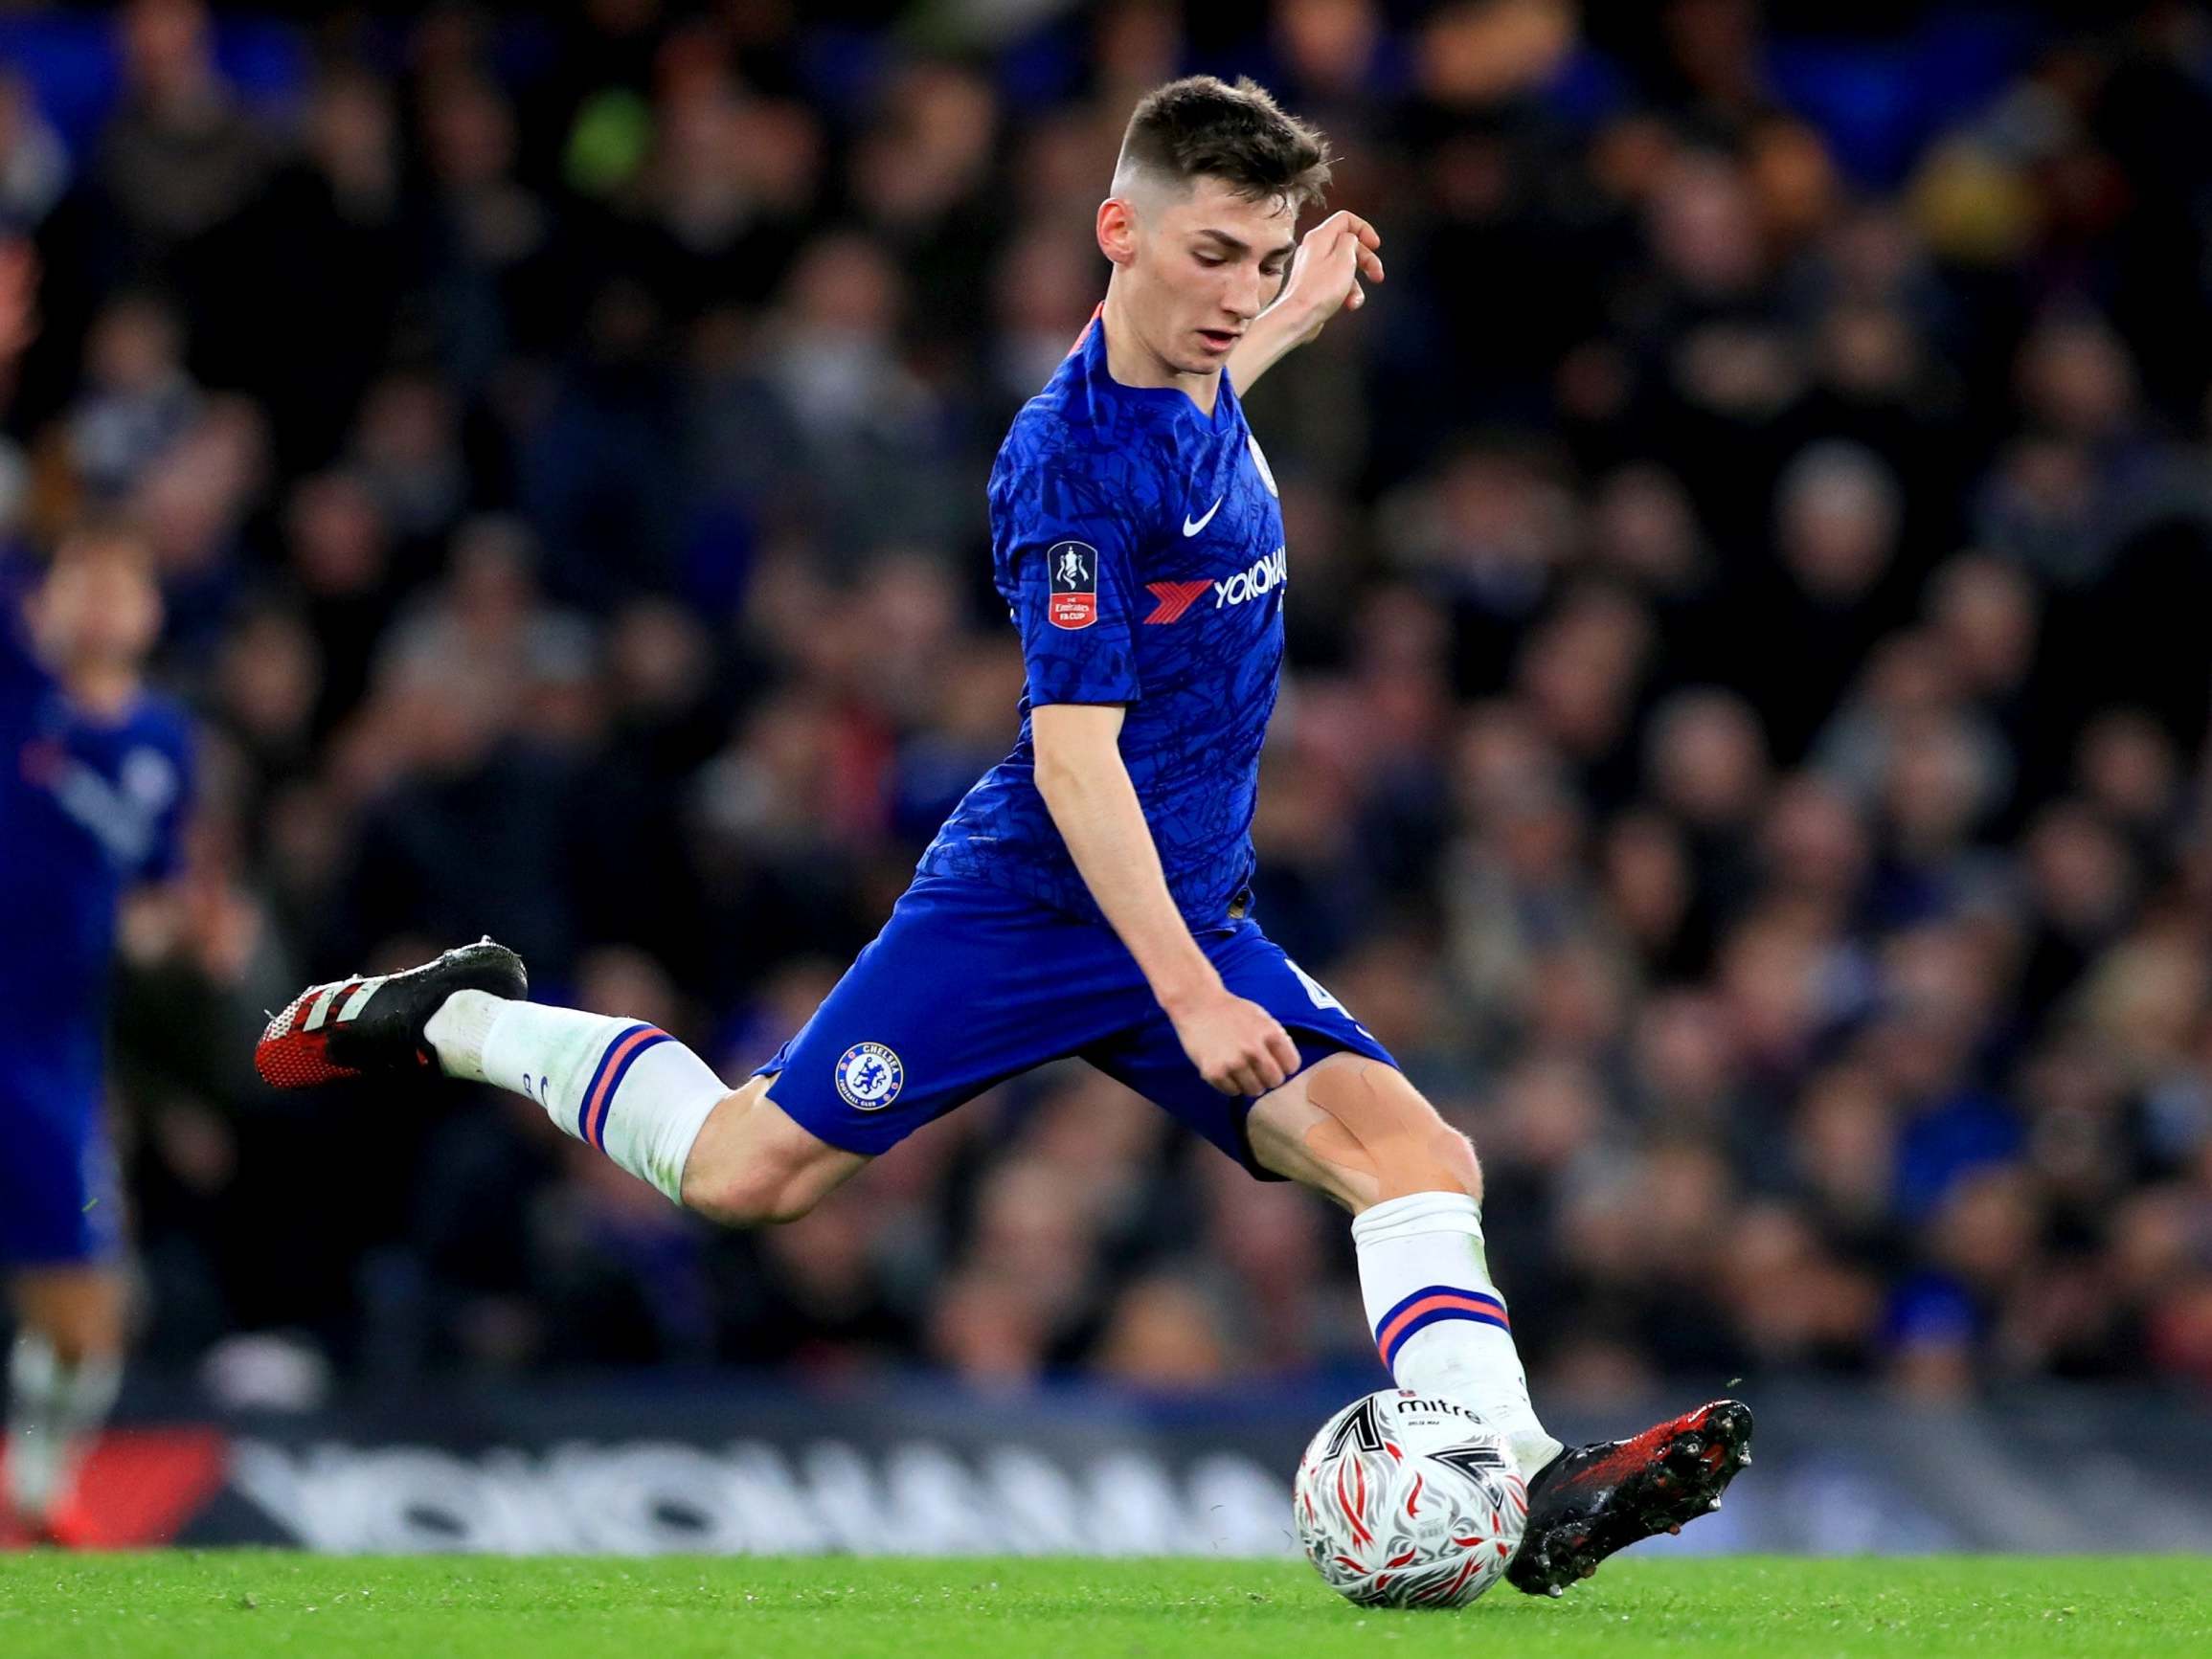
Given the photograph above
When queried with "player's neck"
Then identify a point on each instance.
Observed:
(104, 690)
(1130, 362)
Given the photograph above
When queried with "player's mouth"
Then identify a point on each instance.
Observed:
(1218, 340)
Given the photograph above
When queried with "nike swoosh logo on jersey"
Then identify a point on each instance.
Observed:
(1191, 526)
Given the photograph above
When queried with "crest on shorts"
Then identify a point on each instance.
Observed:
(1073, 566)
(869, 1076)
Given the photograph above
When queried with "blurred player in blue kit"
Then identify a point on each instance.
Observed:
(1091, 896)
(95, 777)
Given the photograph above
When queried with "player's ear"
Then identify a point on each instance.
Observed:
(1117, 230)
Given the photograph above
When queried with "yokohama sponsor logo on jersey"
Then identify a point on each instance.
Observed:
(1265, 576)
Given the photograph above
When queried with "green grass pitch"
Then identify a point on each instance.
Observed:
(206, 1605)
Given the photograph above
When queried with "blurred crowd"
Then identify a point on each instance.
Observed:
(1743, 749)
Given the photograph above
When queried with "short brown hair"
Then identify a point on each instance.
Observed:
(1201, 127)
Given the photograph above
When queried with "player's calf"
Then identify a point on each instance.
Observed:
(628, 1088)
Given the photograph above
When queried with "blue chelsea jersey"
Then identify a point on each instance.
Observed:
(1138, 545)
(88, 808)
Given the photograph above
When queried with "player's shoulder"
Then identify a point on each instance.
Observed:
(1070, 440)
(1076, 413)
(1049, 429)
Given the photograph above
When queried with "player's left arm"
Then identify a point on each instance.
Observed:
(1326, 276)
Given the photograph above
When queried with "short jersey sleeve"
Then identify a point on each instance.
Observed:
(1066, 555)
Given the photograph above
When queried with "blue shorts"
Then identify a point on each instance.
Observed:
(969, 985)
(58, 1204)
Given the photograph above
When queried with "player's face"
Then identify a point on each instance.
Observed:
(1207, 261)
(97, 608)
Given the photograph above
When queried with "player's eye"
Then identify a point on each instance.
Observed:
(1211, 259)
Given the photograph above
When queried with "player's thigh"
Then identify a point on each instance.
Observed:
(966, 985)
(1149, 1057)
(60, 1204)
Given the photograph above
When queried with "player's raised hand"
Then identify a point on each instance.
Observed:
(1238, 1046)
(1333, 259)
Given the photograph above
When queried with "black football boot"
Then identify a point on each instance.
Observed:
(1590, 1501)
(371, 1027)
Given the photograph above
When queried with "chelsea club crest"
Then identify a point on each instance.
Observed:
(1260, 460)
(869, 1076)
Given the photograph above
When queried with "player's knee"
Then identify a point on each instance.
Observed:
(1456, 1163)
(753, 1167)
(759, 1196)
(760, 1190)
(1429, 1156)
(1400, 1137)
(74, 1346)
(77, 1311)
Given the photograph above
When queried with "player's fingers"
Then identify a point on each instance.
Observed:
(1357, 297)
(1330, 227)
(1223, 1078)
(1332, 246)
(1280, 1045)
(1249, 1079)
(1370, 268)
(1265, 1067)
(1365, 234)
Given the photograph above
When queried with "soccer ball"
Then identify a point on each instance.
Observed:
(1405, 1500)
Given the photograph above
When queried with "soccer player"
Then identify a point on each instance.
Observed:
(1091, 895)
(94, 775)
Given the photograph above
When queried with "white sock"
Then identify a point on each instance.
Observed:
(632, 1091)
(53, 1410)
(1439, 1323)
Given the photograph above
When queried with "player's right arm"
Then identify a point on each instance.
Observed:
(1067, 542)
(1238, 1046)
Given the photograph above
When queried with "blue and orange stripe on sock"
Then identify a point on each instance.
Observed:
(1431, 1305)
(608, 1077)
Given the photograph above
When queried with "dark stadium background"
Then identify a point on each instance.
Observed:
(1745, 746)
